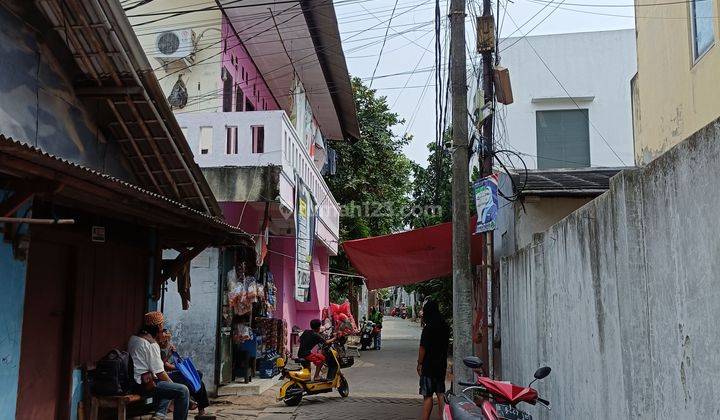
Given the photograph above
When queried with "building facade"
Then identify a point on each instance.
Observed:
(677, 89)
(259, 92)
(571, 99)
(95, 181)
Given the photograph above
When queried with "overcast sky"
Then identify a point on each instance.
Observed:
(410, 46)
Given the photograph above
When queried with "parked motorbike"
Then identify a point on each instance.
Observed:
(497, 399)
(366, 335)
(299, 381)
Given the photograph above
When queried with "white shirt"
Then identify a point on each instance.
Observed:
(145, 357)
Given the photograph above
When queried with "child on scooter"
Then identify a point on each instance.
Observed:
(308, 340)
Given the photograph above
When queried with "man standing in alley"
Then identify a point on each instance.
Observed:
(432, 358)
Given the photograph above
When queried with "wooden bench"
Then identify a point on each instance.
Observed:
(119, 403)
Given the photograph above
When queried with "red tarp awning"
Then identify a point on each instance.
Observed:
(407, 257)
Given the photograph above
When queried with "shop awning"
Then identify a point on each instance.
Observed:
(407, 257)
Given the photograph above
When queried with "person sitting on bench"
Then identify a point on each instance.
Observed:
(149, 372)
(308, 340)
(198, 400)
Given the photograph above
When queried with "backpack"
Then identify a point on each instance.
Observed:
(113, 374)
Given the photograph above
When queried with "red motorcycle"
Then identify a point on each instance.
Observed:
(497, 399)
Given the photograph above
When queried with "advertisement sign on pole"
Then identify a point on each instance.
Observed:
(304, 240)
(486, 202)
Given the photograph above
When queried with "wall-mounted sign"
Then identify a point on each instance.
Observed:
(98, 234)
(304, 239)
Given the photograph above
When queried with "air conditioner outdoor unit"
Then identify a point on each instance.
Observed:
(175, 47)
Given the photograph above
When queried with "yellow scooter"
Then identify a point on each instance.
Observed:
(299, 381)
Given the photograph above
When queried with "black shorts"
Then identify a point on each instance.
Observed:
(430, 386)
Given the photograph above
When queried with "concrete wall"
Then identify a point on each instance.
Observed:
(195, 330)
(594, 66)
(237, 61)
(621, 296)
(202, 79)
(673, 94)
(539, 213)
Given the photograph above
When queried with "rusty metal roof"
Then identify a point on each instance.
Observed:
(17, 156)
(114, 70)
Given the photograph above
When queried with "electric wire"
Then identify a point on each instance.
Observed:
(382, 47)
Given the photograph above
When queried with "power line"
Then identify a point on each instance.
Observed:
(588, 12)
(670, 3)
(534, 27)
(382, 47)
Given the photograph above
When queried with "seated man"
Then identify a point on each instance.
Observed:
(149, 372)
(308, 340)
(198, 400)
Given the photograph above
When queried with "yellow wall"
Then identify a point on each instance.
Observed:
(673, 95)
(203, 79)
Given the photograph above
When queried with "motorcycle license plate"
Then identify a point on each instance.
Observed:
(508, 412)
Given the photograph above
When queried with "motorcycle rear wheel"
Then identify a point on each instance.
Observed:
(297, 394)
(344, 387)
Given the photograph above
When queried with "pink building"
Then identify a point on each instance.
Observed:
(259, 92)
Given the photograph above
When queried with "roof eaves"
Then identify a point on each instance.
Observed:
(323, 26)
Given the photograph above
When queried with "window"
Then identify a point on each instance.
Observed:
(239, 98)
(231, 140)
(227, 90)
(563, 139)
(258, 139)
(703, 36)
(248, 105)
(206, 140)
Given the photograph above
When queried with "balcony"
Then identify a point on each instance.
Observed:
(256, 139)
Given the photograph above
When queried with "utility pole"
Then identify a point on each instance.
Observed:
(462, 278)
(487, 169)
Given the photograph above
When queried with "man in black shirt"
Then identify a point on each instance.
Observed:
(432, 358)
(308, 340)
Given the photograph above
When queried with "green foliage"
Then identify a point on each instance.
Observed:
(372, 183)
(433, 186)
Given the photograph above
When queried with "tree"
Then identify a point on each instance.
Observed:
(432, 186)
(372, 183)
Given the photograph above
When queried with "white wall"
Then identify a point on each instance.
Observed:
(621, 297)
(195, 330)
(589, 64)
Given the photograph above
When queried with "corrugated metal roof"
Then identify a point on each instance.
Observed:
(559, 182)
(23, 151)
(114, 70)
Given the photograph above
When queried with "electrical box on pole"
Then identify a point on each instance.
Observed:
(503, 88)
(485, 34)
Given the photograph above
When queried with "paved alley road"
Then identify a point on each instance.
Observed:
(383, 385)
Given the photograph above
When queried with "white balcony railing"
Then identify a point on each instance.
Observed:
(262, 138)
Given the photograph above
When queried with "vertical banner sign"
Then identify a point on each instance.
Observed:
(486, 202)
(304, 240)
